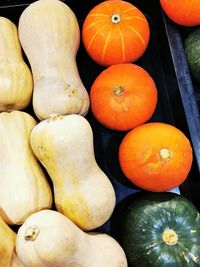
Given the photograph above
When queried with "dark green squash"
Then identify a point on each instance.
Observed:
(192, 52)
(161, 230)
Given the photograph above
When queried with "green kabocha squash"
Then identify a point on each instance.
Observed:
(161, 230)
(192, 52)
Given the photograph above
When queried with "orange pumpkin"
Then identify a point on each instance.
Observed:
(115, 32)
(123, 96)
(155, 156)
(183, 12)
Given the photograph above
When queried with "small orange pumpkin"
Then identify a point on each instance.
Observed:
(123, 96)
(115, 32)
(183, 12)
(155, 156)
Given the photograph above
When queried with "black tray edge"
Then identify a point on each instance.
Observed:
(185, 85)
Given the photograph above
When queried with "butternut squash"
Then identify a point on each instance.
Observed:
(15, 262)
(50, 36)
(23, 186)
(64, 145)
(16, 84)
(47, 238)
(8, 257)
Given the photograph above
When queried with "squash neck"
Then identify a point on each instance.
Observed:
(170, 237)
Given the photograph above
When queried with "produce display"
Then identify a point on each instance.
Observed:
(57, 126)
(192, 52)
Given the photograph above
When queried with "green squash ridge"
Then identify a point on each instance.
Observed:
(144, 245)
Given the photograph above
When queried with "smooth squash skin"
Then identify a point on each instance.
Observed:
(24, 188)
(47, 238)
(16, 82)
(50, 36)
(161, 229)
(64, 145)
(15, 262)
(8, 257)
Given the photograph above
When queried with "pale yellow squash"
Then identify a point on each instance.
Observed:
(15, 262)
(50, 36)
(8, 257)
(64, 145)
(49, 239)
(23, 186)
(16, 83)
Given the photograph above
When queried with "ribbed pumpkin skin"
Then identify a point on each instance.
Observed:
(24, 188)
(192, 52)
(50, 36)
(111, 43)
(15, 77)
(183, 12)
(146, 220)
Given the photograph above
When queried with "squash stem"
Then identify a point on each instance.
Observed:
(54, 117)
(115, 18)
(170, 237)
(31, 233)
(165, 154)
(118, 90)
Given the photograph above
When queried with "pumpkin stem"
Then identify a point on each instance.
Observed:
(165, 154)
(170, 237)
(118, 90)
(115, 18)
(31, 233)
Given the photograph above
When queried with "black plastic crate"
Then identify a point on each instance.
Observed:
(189, 88)
(160, 64)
